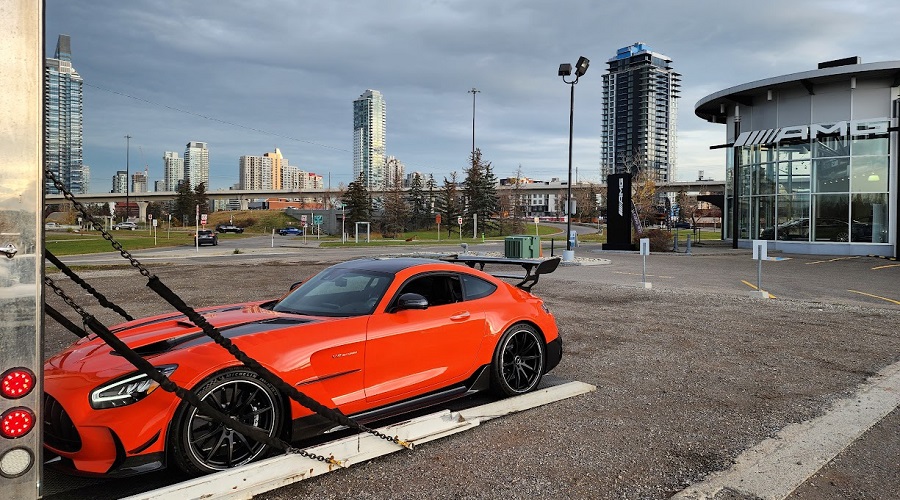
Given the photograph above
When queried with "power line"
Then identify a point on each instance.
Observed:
(219, 120)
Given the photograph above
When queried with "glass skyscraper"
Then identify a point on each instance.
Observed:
(63, 134)
(640, 92)
(368, 140)
(196, 164)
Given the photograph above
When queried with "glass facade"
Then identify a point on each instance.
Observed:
(830, 188)
(63, 120)
(369, 124)
(640, 106)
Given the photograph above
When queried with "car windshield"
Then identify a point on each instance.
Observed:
(337, 292)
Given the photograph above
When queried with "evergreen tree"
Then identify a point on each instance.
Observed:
(396, 212)
(357, 202)
(417, 202)
(201, 198)
(480, 188)
(184, 204)
(449, 203)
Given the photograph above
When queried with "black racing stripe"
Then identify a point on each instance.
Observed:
(199, 338)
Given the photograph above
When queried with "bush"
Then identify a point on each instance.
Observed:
(660, 240)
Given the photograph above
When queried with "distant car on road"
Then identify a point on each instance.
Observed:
(52, 225)
(207, 237)
(682, 225)
(131, 226)
(290, 231)
(229, 228)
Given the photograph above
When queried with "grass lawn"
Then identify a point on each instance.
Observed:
(93, 242)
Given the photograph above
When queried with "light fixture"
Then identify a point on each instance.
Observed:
(874, 178)
(565, 70)
(581, 66)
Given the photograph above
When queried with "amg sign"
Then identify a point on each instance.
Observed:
(851, 128)
(618, 212)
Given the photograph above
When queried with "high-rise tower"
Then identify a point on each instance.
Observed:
(640, 92)
(368, 140)
(63, 134)
(173, 171)
(196, 164)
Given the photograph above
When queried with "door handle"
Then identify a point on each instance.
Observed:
(460, 316)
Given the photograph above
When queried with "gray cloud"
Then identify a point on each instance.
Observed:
(292, 69)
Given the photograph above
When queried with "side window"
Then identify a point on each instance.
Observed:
(477, 288)
(439, 289)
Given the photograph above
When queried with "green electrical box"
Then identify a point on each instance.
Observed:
(522, 246)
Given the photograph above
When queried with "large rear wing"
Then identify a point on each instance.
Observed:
(534, 268)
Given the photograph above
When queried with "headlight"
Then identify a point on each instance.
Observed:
(126, 390)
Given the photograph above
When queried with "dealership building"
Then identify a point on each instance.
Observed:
(812, 159)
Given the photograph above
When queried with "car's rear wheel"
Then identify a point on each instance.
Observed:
(518, 363)
(199, 444)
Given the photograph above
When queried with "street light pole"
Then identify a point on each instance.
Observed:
(566, 70)
(127, 171)
(475, 213)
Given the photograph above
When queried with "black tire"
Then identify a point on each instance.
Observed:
(519, 359)
(199, 445)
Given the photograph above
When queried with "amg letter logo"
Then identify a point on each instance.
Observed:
(621, 196)
(853, 128)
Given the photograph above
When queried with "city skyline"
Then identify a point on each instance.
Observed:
(250, 81)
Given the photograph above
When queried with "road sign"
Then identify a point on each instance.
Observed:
(202, 218)
(303, 218)
(459, 220)
(437, 219)
(318, 220)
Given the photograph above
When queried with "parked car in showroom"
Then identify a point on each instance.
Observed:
(824, 229)
(371, 338)
(229, 228)
(206, 237)
(290, 231)
(131, 226)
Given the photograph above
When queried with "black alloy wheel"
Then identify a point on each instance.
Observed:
(200, 444)
(518, 363)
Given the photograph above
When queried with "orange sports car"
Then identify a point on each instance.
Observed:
(370, 337)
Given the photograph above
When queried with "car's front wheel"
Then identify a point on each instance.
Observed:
(518, 362)
(200, 445)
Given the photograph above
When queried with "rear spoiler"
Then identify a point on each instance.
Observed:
(534, 268)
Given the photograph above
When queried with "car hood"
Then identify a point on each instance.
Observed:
(158, 335)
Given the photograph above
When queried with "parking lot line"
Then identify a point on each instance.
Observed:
(777, 466)
(892, 301)
(639, 274)
(885, 267)
(751, 285)
(833, 260)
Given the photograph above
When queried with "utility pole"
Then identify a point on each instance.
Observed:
(475, 212)
(127, 172)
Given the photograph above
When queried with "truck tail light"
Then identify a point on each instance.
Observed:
(16, 383)
(16, 422)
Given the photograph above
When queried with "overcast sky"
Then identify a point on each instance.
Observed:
(247, 77)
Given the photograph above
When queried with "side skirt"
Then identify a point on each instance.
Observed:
(315, 425)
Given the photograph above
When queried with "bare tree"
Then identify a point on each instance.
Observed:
(643, 195)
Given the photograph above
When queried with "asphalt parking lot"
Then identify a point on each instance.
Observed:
(689, 374)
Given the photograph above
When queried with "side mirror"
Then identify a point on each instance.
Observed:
(411, 301)
(295, 285)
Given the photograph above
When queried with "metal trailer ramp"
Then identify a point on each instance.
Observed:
(267, 475)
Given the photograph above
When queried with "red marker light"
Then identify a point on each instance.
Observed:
(16, 383)
(16, 422)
